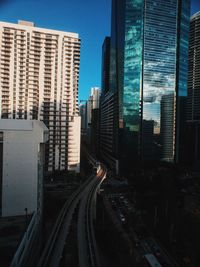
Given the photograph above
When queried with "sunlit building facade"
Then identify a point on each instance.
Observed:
(149, 51)
(91, 104)
(39, 81)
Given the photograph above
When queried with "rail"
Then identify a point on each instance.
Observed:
(53, 250)
(26, 243)
(51, 243)
(88, 251)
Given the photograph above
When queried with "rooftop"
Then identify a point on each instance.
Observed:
(26, 25)
(196, 15)
(20, 125)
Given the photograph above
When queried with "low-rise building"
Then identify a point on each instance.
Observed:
(21, 166)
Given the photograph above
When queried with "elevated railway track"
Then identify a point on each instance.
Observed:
(83, 202)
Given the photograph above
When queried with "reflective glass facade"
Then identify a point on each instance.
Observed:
(149, 48)
(182, 74)
(159, 74)
(133, 54)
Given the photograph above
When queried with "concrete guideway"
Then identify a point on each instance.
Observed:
(87, 249)
(53, 250)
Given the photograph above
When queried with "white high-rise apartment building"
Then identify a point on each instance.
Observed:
(39, 81)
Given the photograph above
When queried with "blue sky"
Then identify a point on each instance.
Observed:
(89, 18)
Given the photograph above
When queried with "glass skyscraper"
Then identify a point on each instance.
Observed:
(148, 70)
(193, 100)
(194, 70)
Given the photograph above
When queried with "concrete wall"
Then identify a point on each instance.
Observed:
(21, 147)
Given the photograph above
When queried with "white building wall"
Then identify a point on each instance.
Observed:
(21, 147)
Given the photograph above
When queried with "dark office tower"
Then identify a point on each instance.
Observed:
(82, 113)
(193, 110)
(108, 112)
(95, 131)
(105, 66)
(149, 51)
(167, 126)
(193, 100)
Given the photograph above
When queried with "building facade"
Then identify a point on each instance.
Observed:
(39, 81)
(22, 163)
(193, 100)
(108, 112)
(95, 131)
(91, 104)
(95, 97)
(105, 66)
(108, 130)
(148, 69)
(193, 109)
(82, 112)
